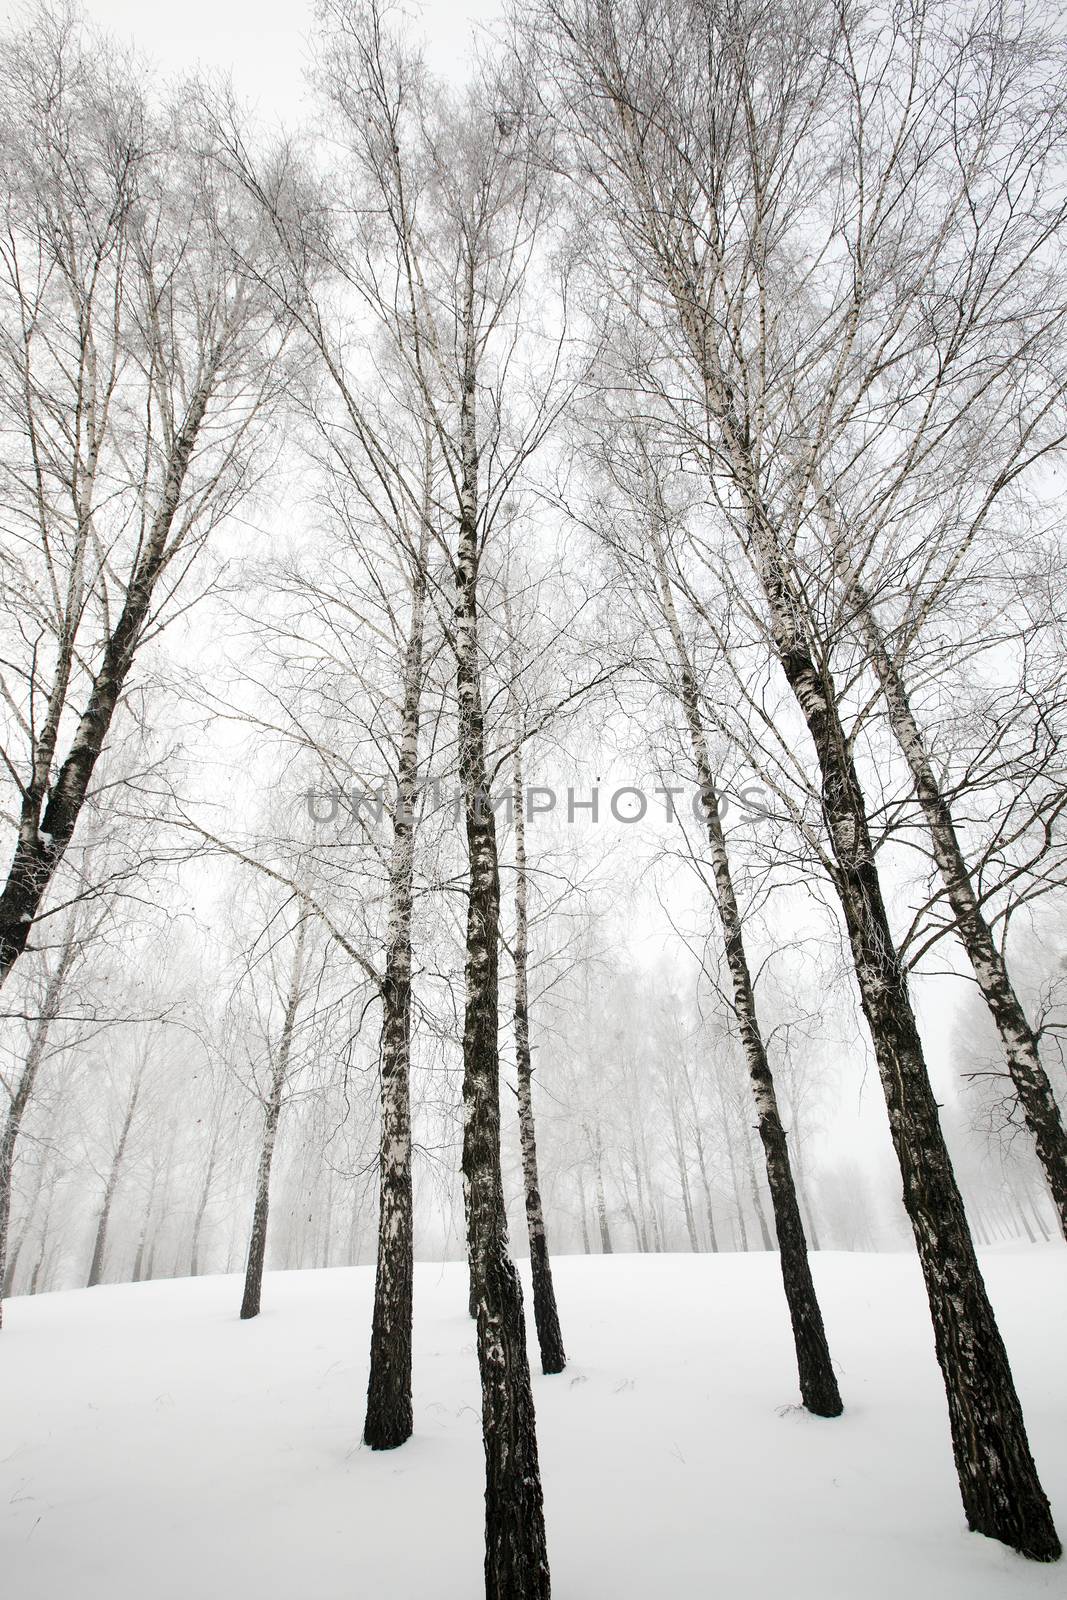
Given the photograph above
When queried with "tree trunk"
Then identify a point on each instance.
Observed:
(698, 1139)
(50, 810)
(740, 1231)
(516, 1559)
(757, 1198)
(802, 1186)
(818, 1384)
(1002, 1495)
(601, 1202)
(142, 1238)
(257, 1243)
(683, 1174)
(96, 1266)
(50, 1003)
(1036, 1097)
(201, 1207)
(546, 1314)
(389, 1418)
(586, 1247)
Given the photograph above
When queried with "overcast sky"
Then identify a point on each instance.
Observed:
(263, 41)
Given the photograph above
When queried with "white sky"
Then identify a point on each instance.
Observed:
(263, 42)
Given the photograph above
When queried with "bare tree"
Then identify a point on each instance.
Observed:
(280, 1065)
(704, 146)
(138, 361)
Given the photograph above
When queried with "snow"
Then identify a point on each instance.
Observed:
(153, 1445)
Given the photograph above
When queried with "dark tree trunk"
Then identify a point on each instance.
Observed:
(1002, 1495)
(818, 1384)
(257, 1242)
(50, 810)
(546, 1314)
(389, 1418)
(1035, 1093)
(516, 1557)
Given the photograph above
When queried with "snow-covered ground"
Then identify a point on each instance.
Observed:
(152, 1446)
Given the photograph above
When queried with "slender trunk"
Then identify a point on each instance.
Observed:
(46, 1220)
(546, 1315)
(586, 1248)
(1001, 1491)
(702, 1165)
(740, 1231)
(598, 1187)
(389, 1418)
(146, 1220)
(11, 1268)
(20, 1099)
(96, 1266)
(257, 1243)
(757, 1198)
(802, 1187)
(50, 810)
(516, 1559)
(1021, 1214)
(646, 1168)
(683, 1173)
(1036, 1214)
(638, 1212)
(355, 1230)
(201, 1207)
(818, 1384)
(326, 1250)
(1035, 1093)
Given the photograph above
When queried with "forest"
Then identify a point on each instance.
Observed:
(533, 702)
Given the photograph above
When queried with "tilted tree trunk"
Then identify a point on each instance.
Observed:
(96, 1266)
(818, 1384)
(1036, 1096)
(389, 1419)
(202, 1205)
(257, 1243)
(546, 1314)
(1001, 1491)
(516, 1558)
(50, 810)
(595, 1147)
(20, 1099)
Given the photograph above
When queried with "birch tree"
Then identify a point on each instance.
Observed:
(706, 141)
(462, 207)
(137, 362)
